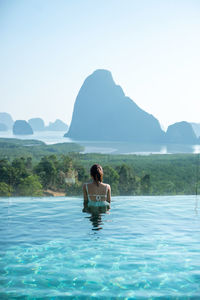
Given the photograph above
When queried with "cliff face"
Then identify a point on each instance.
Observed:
(103, 112)
(181, 133)
(196, 128)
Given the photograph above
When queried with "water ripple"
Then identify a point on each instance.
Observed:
(148, 248)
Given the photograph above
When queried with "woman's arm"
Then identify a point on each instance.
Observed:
(109, 194)
(85, 198)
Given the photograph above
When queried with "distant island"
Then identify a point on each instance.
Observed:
(6, 120)
(22, 127)
(181, 133)
(37, 124)
(58, 125)
(102, 112)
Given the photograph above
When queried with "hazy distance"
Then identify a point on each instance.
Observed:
(48, 48)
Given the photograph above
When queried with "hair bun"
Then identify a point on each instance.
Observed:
(96, 172)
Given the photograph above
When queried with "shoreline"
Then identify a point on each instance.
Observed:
(52, 193)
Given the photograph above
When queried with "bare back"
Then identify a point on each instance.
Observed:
(96, 193)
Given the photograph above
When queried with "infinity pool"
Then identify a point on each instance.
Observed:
(144, 248)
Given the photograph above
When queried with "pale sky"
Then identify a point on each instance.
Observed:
(49, 47)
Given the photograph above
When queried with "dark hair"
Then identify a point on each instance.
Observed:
(96, 172)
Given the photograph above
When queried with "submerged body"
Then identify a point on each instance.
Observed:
(96, 197)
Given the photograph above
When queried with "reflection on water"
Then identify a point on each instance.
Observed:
(176, 148)
(48, 137)
(95, 217)
(196, 149)
(132, 148)
(96, 221)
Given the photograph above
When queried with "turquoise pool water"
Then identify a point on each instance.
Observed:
(144, 248)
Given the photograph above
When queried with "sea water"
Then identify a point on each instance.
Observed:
(106, 147)
(143, 248)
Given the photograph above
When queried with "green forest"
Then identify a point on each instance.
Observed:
(31, 168)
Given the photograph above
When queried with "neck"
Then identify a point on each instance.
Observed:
(95, 182)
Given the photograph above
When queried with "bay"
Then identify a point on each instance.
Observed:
(104, 147)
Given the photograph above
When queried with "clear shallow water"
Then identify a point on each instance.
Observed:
(48, 137)
(144, 248)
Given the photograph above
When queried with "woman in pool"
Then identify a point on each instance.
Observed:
(97, 195)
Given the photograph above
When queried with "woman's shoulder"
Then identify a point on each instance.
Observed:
(106, 185)
(85, 185)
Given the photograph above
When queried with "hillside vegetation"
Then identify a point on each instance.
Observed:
(30, 168)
